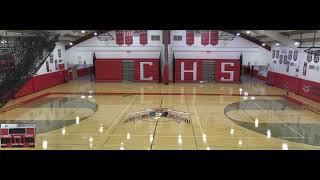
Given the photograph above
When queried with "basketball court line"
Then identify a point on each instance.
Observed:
(118, 119)
(279, 119)
(14, 106)
(9, 108)
(155, 128)
(194, 136)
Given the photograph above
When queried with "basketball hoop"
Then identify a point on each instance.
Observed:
(105, 37)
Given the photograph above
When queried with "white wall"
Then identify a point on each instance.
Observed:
(311, 75)
(109, 49)
(43, 69)
(252, 53)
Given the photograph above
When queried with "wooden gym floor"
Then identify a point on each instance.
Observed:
(221, 118)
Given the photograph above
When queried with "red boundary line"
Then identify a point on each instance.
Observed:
(138, 93)
(9, 108)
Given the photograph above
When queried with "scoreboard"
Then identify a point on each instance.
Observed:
(17, 135)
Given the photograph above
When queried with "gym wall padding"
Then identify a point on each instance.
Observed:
(230, 65)
(83, 71)
(149, 71)
(40, 82)
(306, 88)
(188, 65)
(108, 70)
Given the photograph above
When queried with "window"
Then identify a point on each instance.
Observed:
(177, 38)
(155, 38)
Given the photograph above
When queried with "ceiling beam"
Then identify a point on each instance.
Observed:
(249, 38)
(84, 38)
(275, 35)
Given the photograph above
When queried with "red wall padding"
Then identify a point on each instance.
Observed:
(26, 89)
(235, 68)
(310, 89)
(108, 70)
(83, 72)
(48, 80)
(41, 82)
(188, 65)
(285, 81)
(255, 73)
(61, 67)
(149, 71)
(299, 86)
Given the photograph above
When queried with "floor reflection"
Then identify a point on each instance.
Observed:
(53, 103)
(296, 131)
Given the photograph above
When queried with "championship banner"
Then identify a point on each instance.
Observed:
(119, 37)
(189, 37)
(309, 57)
(304, 71)
(295, 55)
(290, 55)
(273, 54)
(205, 38)
(143, 37)
(214, 37)
(128, 38)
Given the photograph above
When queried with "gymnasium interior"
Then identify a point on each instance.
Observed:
(160, 89)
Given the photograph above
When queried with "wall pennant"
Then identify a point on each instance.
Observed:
(273, 54)
(143, 37)
(281, 58)
(214, 37)
(189, 37)
(128, 38)
(316, 59)
(205, 38)
(290, 55)
(304, 72)
(119, 37)
(309, 57)
(295, 55)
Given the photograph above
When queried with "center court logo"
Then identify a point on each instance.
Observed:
(157, 113)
